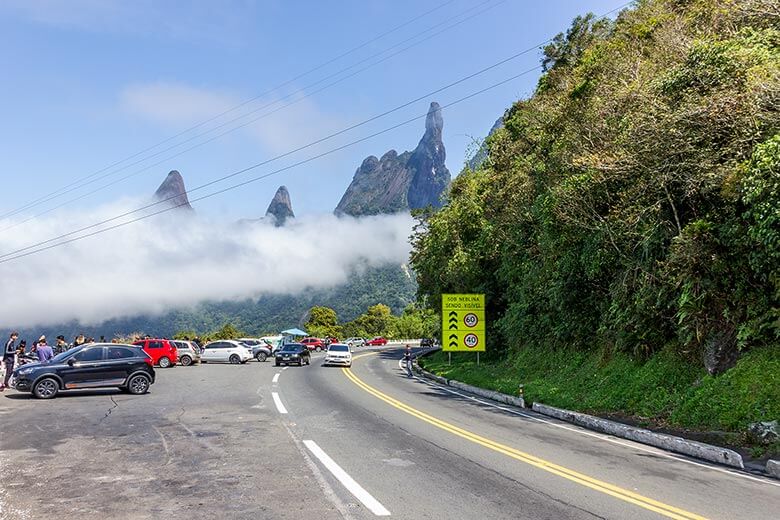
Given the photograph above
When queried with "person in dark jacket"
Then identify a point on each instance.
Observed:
(9, 355)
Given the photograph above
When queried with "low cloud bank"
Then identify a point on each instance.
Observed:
(174, 261)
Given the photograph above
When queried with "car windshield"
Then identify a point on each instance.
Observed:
(338, 348)
(290, 348)
(250, 342)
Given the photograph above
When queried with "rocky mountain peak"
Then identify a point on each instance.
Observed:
(280, 207)
(431, 176)
(399, 182)
(173, 191)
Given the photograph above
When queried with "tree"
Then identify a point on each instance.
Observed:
(322, 322)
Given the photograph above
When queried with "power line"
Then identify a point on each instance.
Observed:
(242, 104)
(34, 248)
(262, 116)
(240, 184)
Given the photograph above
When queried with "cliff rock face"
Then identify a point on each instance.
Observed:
(172, 191)
(431, 177)
(402, 182)
(280, 208)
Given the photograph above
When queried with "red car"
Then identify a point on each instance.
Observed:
(377, 342)
(162, 351)
(313, 344)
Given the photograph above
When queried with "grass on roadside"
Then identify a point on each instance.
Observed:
(663, 391)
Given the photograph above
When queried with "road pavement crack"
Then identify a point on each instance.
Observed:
(110, 410)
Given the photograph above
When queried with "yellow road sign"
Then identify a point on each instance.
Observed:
(463, 322)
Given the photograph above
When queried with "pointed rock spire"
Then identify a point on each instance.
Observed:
(431, 177)
(172, 191)
(280, 207)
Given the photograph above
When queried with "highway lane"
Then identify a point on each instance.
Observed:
(256, 441)
(426, 453)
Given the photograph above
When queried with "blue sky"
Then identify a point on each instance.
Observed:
(87, 83)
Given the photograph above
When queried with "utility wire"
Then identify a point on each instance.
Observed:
(262, 116)
(53, 194)
(34, 248)
(243, 183)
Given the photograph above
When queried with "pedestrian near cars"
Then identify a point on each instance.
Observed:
(9, 352)
(44, 351)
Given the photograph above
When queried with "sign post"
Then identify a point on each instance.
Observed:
(463, 323)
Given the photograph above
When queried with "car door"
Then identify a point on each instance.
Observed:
(119, 363)
(85, 369)
(210, 352)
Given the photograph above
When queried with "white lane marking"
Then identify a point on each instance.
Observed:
(348, 482)
(276, 377)
(602, 437)
(285, 368)
(278, 403)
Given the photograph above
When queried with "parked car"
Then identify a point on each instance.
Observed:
(163, 351)
(338, 354)
(96, 365)
(293, 353)
(377, 342)
(226, 351)
(188, 352)
(355, 342)
(313, 344)
(260, 349)
(427, 342)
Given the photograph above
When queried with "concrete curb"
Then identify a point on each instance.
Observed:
(487, 394)
(664, 441)
(773, 468)
(672, 443)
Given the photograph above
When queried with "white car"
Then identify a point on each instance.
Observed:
(355, 342)
(338, 354)
(225, 351)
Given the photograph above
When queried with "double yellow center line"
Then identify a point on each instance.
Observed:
(590, 482)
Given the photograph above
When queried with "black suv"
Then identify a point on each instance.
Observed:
(296, 353)
(95, 365)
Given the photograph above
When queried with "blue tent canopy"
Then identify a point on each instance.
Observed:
(295, 332)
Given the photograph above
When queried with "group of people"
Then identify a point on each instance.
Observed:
(40, 349)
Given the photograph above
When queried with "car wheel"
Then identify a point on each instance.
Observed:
(138, 384)
(235, 359)
(185, 361)
(164, 362)
(318, 348)
(277, 363)
(261, 357)
(46, 388)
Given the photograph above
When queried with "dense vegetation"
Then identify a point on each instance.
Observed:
(630, 209)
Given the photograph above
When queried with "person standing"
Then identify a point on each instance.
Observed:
(45, 352)
(9, 353)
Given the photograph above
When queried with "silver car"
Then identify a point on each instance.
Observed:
(355, 342)
(189, 352)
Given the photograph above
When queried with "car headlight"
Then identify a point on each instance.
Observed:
(24, 371)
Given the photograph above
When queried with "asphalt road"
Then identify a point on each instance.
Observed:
(256, 441)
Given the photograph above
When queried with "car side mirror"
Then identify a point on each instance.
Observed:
(71, 362)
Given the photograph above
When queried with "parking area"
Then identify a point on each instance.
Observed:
(204, 442)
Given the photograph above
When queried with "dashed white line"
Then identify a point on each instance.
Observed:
(285, 368)
(348, 482)
(278, 403)
(276, 377)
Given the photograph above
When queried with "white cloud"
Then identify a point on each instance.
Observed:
(223, 22)
(175, 104)
(172, 261)
(278, 123)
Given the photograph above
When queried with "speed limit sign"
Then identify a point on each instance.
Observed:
(471, 340)
(470, 320)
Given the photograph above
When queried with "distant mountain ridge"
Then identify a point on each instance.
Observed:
(280, 208)
(404, 182)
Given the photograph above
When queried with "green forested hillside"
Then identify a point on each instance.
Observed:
(631, 207)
